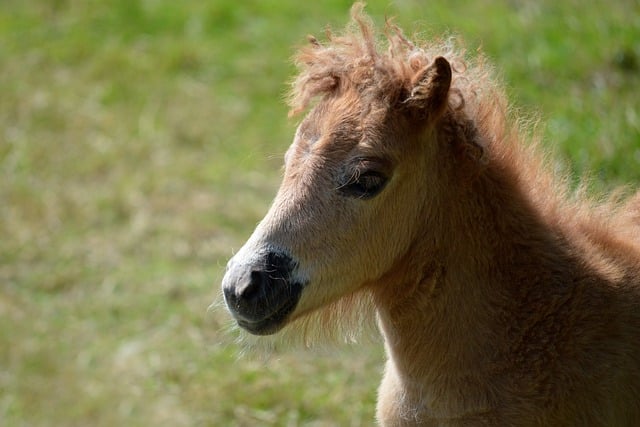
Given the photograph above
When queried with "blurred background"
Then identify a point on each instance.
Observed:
(140, 143)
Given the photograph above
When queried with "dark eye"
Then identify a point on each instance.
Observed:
(364, 185)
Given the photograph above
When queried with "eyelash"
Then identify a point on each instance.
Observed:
(364, 185)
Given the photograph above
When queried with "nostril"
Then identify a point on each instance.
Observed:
(255, 287)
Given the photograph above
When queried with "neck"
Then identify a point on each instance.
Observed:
(444, 335)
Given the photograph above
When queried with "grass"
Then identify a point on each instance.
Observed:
(140, 142)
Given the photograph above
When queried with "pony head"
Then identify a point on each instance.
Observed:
(362, 177)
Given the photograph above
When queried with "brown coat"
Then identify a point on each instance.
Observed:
(503, 298)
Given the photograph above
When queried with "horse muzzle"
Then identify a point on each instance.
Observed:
(260, 294)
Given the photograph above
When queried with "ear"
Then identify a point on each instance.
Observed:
(430, 90)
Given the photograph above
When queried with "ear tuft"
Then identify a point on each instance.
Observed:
(430, 89)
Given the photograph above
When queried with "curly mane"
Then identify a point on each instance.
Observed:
(359, 58)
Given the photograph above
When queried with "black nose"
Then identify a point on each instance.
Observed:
(261, 295)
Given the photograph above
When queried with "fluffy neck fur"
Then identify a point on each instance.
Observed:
(484, 305)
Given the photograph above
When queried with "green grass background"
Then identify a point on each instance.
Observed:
(141, 141)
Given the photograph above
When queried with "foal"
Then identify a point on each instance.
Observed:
(503, 300)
